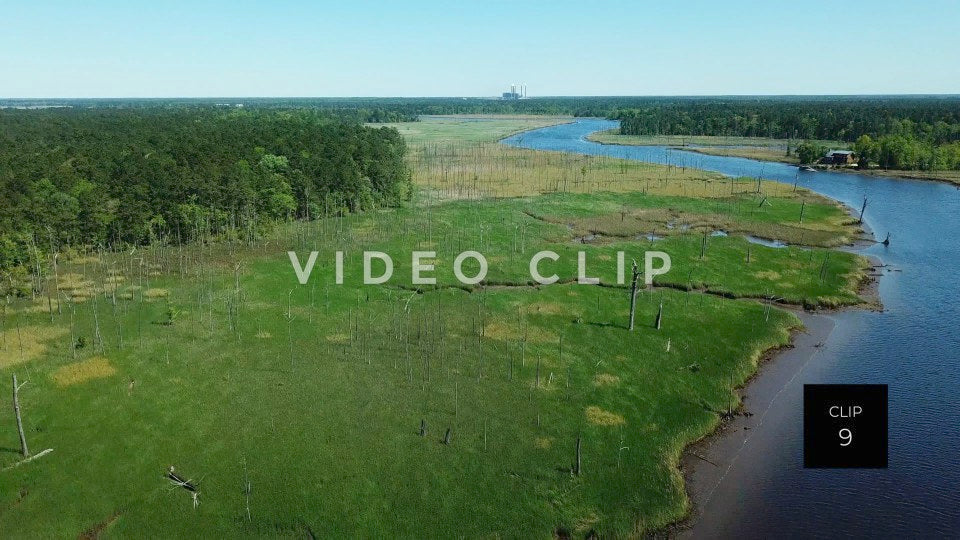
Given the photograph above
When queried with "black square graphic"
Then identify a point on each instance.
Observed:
(845, 426)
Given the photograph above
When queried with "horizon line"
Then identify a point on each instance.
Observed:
(561, 96)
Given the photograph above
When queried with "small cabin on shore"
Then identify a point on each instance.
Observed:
(838, 157)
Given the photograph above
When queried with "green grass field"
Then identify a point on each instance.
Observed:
(297, 408)
(464, 129)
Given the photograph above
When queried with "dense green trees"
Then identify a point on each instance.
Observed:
(810, 152)
(897, 151)
(808, 117)
(920, 133)
(108, 176)
(936, 119)
(374, 110)
(102, 172)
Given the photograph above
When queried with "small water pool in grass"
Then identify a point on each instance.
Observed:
(765, 242)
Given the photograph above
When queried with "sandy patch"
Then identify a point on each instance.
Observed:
(606, 379)
(30, 343)
(42, 305)
(509, 331)
(156, 293)
(600, 417)
(76, 288)
(767, 274)
(338, 338)
(543, 442)
(73, 282)
(97, 367)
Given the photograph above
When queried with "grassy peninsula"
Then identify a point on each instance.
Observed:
(386, 410)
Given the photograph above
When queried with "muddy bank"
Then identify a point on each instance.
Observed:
(706, 463)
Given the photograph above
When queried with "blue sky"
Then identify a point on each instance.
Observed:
(426, 48)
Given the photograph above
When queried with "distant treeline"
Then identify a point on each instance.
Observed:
(841, 118)
(105, 176)
(892, 132)
(798, 117)
(375, 109)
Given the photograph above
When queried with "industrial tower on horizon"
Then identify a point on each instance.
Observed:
(513, 94)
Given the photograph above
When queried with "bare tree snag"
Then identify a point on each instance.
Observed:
(633, 293)
(862, 210)
(16, 409)
(187, 484)
(38, 455)
(484, 434)
(247, 487)
(538, 371)
(576, 464)
(560, 356)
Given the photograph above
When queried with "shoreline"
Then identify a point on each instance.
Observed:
(705, 462)
(887, 173)
(563, 120)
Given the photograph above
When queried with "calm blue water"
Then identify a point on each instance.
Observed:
(913, 346)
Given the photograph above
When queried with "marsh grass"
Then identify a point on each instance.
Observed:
(460, 158)
(613, 136)
(759, 148)
(297, 408)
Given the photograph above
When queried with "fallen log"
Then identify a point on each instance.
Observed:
(179, 481)
(29, 459)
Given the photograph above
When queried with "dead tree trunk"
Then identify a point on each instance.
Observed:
(633, 293)
(862, 210)
(576, 464)
(16, 409)
(538, 371)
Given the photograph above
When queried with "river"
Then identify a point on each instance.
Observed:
(913, 346)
